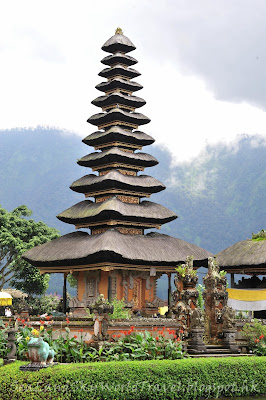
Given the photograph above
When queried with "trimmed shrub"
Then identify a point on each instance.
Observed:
(139, 380)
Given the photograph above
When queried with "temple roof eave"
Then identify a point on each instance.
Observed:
(116, 180)
(114, 209)
(118, 98)
(116, 155)
(119, 58)
(247, 252)
(80, 248)
(119, 83)
(118, 42)
(116, 133)
(119, 69)
(120, 115)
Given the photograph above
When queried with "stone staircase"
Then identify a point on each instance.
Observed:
(213, 350)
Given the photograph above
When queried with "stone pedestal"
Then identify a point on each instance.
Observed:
(229, 341)
(196, 344)
(100, 327)
(79, 312)
(101, 309)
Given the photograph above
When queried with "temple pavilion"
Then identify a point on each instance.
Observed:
(113, 256)
(247, 257)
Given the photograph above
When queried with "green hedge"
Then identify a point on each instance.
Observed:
(164, 379)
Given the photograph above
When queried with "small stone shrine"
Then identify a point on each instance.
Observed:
(186, 294)
(218, 316)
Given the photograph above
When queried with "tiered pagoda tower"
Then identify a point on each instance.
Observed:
(116, 258)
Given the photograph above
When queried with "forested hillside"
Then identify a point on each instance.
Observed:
(220, 197)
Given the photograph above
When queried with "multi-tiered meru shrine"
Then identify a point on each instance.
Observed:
(116, 258)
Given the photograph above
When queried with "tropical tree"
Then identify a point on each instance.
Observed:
(17, 235)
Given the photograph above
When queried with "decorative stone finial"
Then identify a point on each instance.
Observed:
(119, 31)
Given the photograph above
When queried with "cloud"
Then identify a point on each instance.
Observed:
(202, 65)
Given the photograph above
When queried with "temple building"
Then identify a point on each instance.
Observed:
(114, 256)
(248, 258)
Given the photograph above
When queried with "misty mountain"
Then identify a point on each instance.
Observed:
(219, 197)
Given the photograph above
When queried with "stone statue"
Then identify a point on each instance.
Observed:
(213, 268)
(228, 317)
(189, 264)
(196, 319)
(40, 352)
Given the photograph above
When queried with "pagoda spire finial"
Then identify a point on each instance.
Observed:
(118, 31)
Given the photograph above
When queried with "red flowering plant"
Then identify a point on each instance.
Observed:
(260, 346)
(255, 333)
(136, 345)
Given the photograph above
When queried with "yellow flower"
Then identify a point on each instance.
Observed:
(35, 332)
(27, 338)
(41, 328)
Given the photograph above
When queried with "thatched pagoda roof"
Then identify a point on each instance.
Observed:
(116, 133)
(117, 114)
(112, 247)
(118, 98)
(119, 83)
(119, 58)
(114, 209)
(119, 69)
(116, 155)
(118, 42)
(246, 256)
(116, 180)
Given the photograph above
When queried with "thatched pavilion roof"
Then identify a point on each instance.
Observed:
(118, 114)
(118, 42)
(114, 209)
(119, 83)
(116, 155)
(246, 256)
(118, 98)
(119, 69)
(112, 247)
(116, 133)
(119, 58)
(116, 180)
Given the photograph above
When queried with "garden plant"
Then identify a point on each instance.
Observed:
(126, 345)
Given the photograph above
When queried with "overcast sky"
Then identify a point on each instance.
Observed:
(203, 65)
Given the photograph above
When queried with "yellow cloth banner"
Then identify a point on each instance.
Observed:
(5, 302)
(247, 295)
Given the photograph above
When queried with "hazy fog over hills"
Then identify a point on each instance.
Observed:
(219, 197)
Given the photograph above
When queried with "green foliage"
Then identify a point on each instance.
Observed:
(18, 235)
(43, 304)
(252, 331)
(222, 273)
(182, 270)
(120, 312)
(135, 345)
(200, 289)
(137, 380)
(260, 349)
(127, 345)
(261, 235)
(72, 280)
(3, 338)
